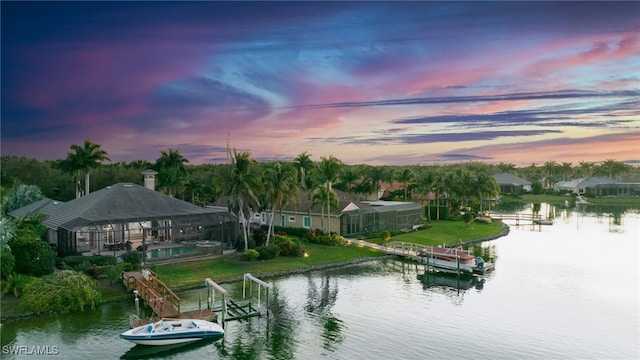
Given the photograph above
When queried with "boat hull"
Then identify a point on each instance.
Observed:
(170, 332)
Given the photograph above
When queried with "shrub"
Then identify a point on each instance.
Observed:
(259, 236)
(268, 252)
(289, 248)
(16, 284)
(384, 235)
(251, 254)
(114, 272)
(7, 263)
(61, 292)
(73, 261)
(278, 239)
(329, 239)
(33, 256)
(132, 258)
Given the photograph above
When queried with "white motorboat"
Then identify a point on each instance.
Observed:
(173, 331)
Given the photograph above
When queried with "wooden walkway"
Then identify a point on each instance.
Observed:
(164, 302)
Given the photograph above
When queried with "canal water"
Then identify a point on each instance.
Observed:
(564, 291)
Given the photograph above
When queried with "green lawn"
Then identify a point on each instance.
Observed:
(450, 233)
(233, 267)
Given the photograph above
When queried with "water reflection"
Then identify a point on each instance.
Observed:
(452, 286)
(319, 306)
(162, 352)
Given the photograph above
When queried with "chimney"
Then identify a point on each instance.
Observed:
(149, 179)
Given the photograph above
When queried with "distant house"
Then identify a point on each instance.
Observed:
(352, 217)
(599, 186)
(511, 184)
(127, 216)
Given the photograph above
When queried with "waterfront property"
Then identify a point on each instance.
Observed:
(511, 184)
(127, 216)
(599, 186)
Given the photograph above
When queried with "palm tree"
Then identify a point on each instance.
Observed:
(303, 164)
(348, 177)
(425, 179)
(328, 171)
(7, 232)
(376, 174)
(405, 176)
(239, 183)
(486, 185)
(280, 185)
(171, 170)
(323, 195)
(550, 168)
(83, 159)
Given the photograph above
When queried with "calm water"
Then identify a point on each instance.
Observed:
(566, 291)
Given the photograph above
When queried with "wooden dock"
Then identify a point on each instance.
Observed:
(411, 250)
(164, 302)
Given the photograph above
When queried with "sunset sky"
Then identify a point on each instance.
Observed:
(381, 83)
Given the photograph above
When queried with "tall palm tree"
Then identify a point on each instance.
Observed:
(172, 170)
(323, 195)
(376, 174)
(239, 182)
(328, 171)
(405, 176)
(303, 164)
(485, 185)
(348, 177)
(83, 159)
(280, 185)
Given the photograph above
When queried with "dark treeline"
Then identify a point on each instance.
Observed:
(199, 184)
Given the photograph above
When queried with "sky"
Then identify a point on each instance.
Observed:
(378, 83)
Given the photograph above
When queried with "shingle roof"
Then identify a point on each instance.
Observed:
(510, 179)
(118, 203)
(590, 181)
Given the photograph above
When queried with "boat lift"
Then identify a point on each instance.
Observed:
(232, 310)
(252, 279)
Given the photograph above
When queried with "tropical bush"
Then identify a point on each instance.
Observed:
(385, 235)
(268, 252)
(61, 292)
(21, 196)
(133, 258)
(74, 261)
(329, 239)
(290, 248)
(251, 254)
(16, 284)
(33, 256)
(7, 263)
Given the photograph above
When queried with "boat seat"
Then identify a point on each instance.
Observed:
(150, 328)
(195, 325)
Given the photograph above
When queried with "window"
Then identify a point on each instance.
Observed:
(292, 219)
(281, 220)
(306, 222)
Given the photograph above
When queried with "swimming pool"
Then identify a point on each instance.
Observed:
(170, 252)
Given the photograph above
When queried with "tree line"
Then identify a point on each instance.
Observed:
(269, 186)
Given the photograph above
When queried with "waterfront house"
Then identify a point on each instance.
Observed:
(128, 216)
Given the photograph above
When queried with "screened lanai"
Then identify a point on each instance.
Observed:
(127, 216)
(391, 216)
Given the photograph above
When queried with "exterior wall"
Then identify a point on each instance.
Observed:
(296, 220)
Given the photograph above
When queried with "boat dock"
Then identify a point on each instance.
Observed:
(166, 304)
(437, 259)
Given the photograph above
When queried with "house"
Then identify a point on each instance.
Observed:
(351, 217)
(599, 186)
(511, 184)
(128, 216)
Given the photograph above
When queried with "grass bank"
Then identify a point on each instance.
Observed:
(233, 267)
